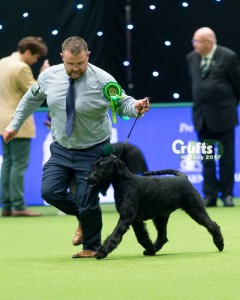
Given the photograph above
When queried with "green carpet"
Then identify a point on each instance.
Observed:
(36, 261)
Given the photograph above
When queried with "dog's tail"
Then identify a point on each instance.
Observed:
(165, 172)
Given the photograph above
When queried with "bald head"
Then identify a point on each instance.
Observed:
(206, 33)
(203, 40)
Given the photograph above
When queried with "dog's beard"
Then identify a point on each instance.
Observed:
(99, 183)
(104, 187)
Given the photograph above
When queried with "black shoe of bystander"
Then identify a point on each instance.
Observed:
(210, 202)
(228, 201)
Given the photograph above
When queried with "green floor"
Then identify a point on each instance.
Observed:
(36, 263)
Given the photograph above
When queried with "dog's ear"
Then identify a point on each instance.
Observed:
(121, 167)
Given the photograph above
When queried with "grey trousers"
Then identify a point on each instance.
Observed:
(15, 162)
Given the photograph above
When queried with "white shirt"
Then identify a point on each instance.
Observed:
(209, 57)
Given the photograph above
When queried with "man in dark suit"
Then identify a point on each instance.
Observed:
(215, 78)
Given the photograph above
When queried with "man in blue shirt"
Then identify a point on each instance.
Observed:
(73, 156)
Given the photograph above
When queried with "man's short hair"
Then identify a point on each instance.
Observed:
(75, 45)
(33, 43)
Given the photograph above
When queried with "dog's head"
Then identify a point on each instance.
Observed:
(105, 171)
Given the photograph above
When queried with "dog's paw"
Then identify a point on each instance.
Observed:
(148, 253)
(100, 254)
(158, 244)
(219, 244)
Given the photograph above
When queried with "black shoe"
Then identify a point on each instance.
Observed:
(228, 201)
(210, 202)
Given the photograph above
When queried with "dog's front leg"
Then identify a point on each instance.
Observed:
(114, 239)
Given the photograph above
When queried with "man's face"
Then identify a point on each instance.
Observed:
(30, 58)
(201, 44)
(75, 65)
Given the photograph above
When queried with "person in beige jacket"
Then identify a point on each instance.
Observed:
(15, 78)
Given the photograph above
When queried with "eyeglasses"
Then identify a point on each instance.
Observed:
(76, 65)
(198, 41)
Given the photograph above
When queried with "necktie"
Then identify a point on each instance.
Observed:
(204, 66)
(70, 107)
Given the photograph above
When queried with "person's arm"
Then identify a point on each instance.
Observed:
(45, 65)
(28, 104)
(25, 78)
(131, 107)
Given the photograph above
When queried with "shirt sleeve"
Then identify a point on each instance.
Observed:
(32, 99)
(127, 106)
(126, 103)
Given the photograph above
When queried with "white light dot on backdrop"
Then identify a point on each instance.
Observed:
(79, 6)
(1, 27)
(155, 74)
(55, 32)
(99, 33)
(126, 63)
(152, 7)
(185, 4)
(167, 43)
(25, 15)
(130, 26)
(176, 96)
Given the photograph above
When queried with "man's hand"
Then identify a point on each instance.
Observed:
(45, 65)
(142, 105)
(8, 134)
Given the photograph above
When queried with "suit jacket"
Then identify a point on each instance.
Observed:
(15, 78)
(216, 96)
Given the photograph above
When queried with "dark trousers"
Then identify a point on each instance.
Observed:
(213, 185)
(58, 173)
(15, 162)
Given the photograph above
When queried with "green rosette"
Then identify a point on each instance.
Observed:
(113, 92)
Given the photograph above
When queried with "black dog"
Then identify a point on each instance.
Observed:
(132, 157)
(139, 198)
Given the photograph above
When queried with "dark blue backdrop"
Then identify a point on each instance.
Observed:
(153, 134)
